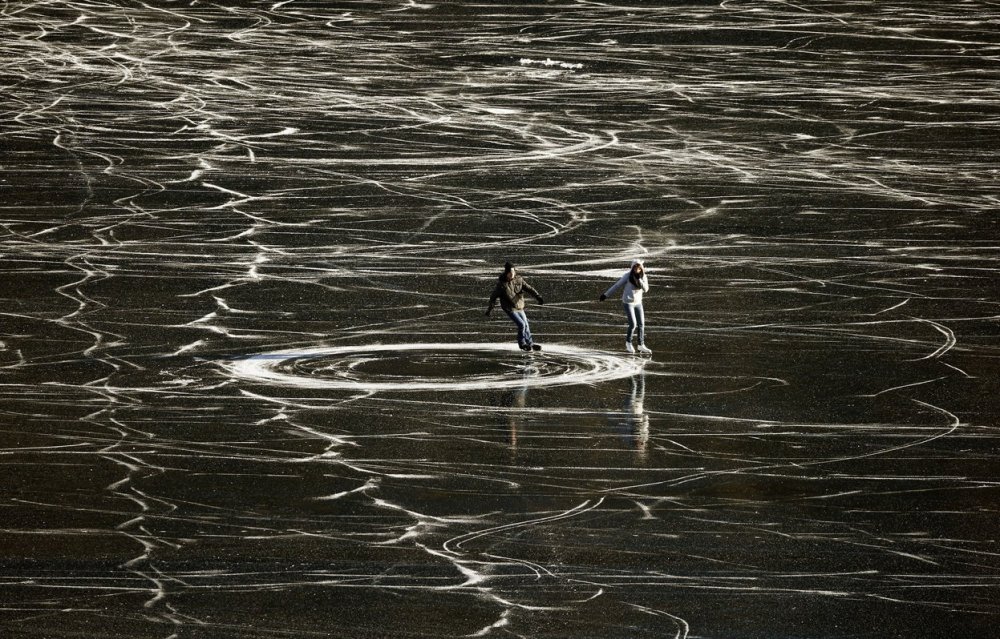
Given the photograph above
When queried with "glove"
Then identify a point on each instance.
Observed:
(603, 297)
(541, 301)
(488, 311)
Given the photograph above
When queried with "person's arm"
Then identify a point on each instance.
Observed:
(493, 299)
(614, 287)
(527, 287)
(644, 282)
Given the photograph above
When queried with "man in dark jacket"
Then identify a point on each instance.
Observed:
(510, 290)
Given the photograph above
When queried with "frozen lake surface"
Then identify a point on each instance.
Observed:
(248, 389)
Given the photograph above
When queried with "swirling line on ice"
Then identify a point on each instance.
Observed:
(342, 367)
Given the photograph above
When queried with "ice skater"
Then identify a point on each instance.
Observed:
(635, 284)
(510, 290)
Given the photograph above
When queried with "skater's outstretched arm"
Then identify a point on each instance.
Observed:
(527, 287)
(614, 287)
(493, 299)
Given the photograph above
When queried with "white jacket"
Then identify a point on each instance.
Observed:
(631, 294)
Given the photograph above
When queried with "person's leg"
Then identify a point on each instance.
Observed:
(629, 321)
(640, 322)
(526, 329)
(630, 326)
(523, 331)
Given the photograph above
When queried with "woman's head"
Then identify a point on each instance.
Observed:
(637, 266)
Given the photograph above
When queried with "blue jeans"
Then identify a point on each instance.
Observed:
(636, 318)
(523, 332)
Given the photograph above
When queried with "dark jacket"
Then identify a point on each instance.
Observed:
(511, 293)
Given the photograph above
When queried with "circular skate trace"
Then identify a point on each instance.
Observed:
(432, 367)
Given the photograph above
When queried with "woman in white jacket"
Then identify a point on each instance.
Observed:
(634, 284)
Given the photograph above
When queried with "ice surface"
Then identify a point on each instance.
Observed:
(249, 391)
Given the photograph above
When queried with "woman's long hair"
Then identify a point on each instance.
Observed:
(633, 276)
